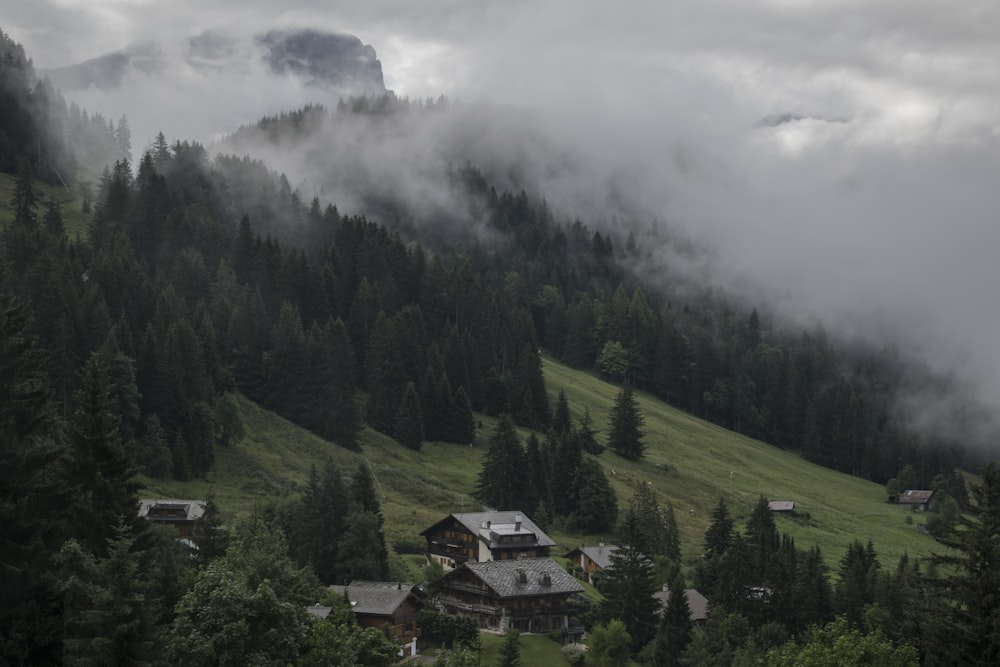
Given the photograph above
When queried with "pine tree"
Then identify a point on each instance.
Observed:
(363, 492)
(629, 585)
(625, 425)
(561, 420)
(32, 505)
(97, 468)
(597, 505)
(675, 629)
(502, 478)
(973, 622)
(24, 201)
(209, 533)
(510, 650)
(409, 427)
(720, 532)
(107, 614)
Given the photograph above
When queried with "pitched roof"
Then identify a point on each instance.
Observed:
(781, 505)
(697, 602)
(914, 497)
(500, 523)
(601, 554)
(377, 598)
(319, 611)
(523, 577)
(171, 509)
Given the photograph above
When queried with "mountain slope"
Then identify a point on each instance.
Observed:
(688, 461)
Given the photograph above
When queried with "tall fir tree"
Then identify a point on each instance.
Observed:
(33, 521)
(502, 478)
(629, 585)
(973, 580)
(409, 427)
(674, 632)
(97, 468)
(625, 425)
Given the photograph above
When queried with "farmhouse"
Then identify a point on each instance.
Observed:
(592, 559)
(916, 499)
(529, 594)
(388, 606)
(696, 602)
(485, 536)
(181, 513)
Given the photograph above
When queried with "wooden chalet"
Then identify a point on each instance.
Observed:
(182, 514)
(485, 536)
(529, 594)
(916, 499)
(391, 607)
(697, 602)
(592, 559)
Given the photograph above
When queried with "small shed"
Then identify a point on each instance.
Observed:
(782, 506)
(916, 499)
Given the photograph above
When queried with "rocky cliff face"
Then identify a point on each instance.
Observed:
(340, 63)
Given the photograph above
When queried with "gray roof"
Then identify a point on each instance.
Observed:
(696, 602)
(914, 497)
(524, 577)
(378, 598)
(601, 554)
(781, 506)
(319, 611)
(501, 523)
(171, 509)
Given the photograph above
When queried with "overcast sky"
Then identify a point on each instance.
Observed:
(841, 155)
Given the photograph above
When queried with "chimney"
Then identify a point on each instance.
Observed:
(399, 585)
(517, 522)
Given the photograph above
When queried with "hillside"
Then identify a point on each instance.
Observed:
(689, 462)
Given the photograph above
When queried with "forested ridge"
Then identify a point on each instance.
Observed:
(202, 276)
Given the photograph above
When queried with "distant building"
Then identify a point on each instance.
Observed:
(485, 536)
(592, 559)
(529, 594)
(916, 499)
(388, 606)
(782, 506)
(182, 514)
(696, 602)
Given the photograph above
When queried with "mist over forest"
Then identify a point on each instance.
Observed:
(792, 239)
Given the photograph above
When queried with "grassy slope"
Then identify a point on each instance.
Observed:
(75, 220)
(688, 461)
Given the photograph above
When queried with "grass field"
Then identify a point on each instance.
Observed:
(76, 221)
(688, 461)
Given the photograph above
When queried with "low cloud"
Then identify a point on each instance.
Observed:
(838, 157)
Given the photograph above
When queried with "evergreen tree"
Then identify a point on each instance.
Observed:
(209, 533)
(510, 650)
(720, 532)
(597, 505)
(561, 420)
(973, 621)
(24, 201)
(108, 618)
(363, 492)
(32, 504)
(97, 468)
(502, 479)
(628, 585)
(675, 629)
(625, 425)
(409, 429)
